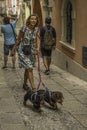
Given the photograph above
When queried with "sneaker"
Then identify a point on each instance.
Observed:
(13, 67)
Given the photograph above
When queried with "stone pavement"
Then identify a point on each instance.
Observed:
(14, 116)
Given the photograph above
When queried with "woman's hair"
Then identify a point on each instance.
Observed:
(6, 20)
(48, 20)
(28, 20)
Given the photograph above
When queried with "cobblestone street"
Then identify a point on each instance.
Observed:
(14, 116)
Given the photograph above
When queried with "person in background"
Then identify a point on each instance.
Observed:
(46, 51)
(9, 38)
(29, 35)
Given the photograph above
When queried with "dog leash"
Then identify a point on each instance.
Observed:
(39, 73)
(40, 79)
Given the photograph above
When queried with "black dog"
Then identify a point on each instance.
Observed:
(36, 98)
(52, 97)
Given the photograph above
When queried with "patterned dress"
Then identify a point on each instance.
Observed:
(27, 61)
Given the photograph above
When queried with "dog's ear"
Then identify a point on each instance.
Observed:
(57, 95)
(54, 95)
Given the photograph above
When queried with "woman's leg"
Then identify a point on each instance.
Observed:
(25, 76)
(31, 78)
(25, 86)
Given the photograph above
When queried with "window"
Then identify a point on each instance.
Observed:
(68, 24)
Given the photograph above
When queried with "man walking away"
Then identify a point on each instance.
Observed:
(48, 42)
(8, 30)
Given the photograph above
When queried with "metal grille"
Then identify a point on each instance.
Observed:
(84, 56)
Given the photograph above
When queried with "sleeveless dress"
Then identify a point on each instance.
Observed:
(27, 61)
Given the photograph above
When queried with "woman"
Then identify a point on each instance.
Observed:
(31, 33)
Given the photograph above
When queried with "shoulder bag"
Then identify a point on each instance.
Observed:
(13, 31)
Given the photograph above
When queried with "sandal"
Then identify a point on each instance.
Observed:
(34, 89)
(25, 87)
(4, 67)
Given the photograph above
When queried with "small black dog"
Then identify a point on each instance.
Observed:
(36, 98)
(52, 97)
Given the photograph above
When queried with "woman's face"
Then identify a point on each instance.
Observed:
(33, 20)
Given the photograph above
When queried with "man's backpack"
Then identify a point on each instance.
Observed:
(48, 41)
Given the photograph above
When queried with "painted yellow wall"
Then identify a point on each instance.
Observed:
(27, 12)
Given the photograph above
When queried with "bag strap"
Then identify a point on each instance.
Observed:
(46, 28)
(13, 31)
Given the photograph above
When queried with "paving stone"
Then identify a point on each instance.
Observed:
(11, 118)
(8, 105)
(5, 92)
(82, 119)
(13, 127)
(77, 108)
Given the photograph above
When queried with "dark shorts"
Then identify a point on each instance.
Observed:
(7, 48)
(45, 52)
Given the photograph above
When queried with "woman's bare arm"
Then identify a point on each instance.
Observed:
(38, 41)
